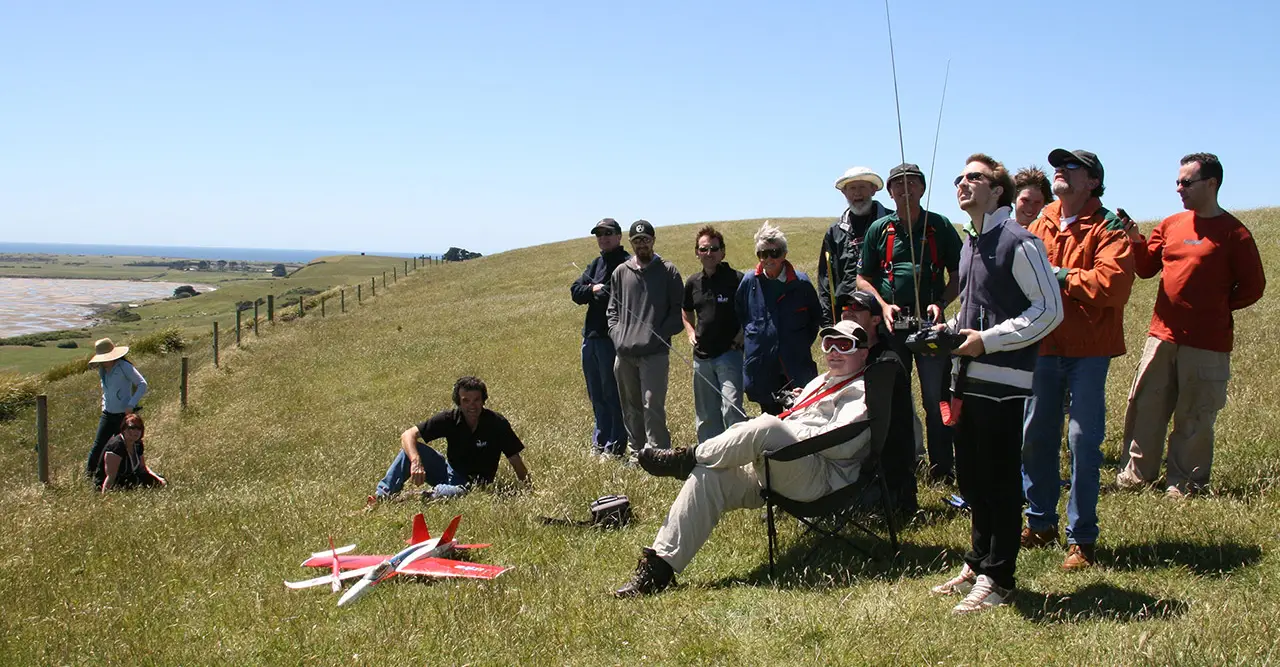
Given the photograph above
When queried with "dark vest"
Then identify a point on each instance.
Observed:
(989, 294)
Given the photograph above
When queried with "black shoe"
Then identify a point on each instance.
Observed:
(652, 575)
(677, 463)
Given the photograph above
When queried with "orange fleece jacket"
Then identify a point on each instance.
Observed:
(1211, 267)
(1095, 265)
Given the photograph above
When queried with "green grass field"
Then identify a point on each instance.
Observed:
(282, 443)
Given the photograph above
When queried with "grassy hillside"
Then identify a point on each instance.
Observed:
(282, 443)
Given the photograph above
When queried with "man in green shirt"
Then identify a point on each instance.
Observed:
(890, 268)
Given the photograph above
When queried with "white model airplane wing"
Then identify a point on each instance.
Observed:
(329, 578)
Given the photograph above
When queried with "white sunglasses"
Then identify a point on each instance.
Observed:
(841, 344)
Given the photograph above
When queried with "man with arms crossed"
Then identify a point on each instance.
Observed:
(1211, 269)
(1009, 300)
(592, 290)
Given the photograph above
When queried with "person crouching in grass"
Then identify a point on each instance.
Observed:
(122, 387)
(124, 464)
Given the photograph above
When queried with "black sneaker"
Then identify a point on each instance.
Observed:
(652, 575)
(677, 463)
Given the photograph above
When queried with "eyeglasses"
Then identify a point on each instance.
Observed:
(771, 253)
(1188, 182)
(708, 249)
(1071, 166)
(840, 344)
(972, 177)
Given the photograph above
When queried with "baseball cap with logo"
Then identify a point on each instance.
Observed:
(607, 226)
(641, 228)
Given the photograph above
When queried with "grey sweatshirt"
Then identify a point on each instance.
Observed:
(642, 301)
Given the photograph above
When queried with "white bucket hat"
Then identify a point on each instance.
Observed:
(860, 174)
(105, 350)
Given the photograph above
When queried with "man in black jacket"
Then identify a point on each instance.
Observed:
(592, 290)
(842, 244)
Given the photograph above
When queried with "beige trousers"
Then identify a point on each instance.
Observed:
(1188, 384)
(729, 476)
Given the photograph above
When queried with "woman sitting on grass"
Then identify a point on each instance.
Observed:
(122, 387)
(124, 465)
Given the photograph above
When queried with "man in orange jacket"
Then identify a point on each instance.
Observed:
(1093, 262)
(1211, 268)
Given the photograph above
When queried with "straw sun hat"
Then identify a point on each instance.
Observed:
(105, 350)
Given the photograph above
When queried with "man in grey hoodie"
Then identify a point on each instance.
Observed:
(645, 294)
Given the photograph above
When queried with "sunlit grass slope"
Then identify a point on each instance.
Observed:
(282, 443)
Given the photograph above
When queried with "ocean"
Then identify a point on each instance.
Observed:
(192, 252)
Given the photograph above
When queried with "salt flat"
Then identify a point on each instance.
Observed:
(30, 305)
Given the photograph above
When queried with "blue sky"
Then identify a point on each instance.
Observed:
(414, 126)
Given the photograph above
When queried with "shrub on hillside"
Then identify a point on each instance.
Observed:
(74, 367)
(68, 344)
(16, 392)
(161, 341)
(123, 315)
(184, 292)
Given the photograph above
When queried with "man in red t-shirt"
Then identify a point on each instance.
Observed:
(1211, 268)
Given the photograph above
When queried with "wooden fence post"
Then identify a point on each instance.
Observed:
(359, 299)
(255, 317)
(215, 343)
(271, 308)
(301, 310)
(342, 300)
(384, 280)
(393, 275)
(373, 286)
(238, 310)
(182, 391)
(322, 306)
(406, 267)
(42, 438)
(415, 263)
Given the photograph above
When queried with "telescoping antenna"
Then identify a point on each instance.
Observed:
(936, 133)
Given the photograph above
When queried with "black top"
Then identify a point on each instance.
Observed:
(597, 272)
(131, 471)
(473, 455)
(711, 297)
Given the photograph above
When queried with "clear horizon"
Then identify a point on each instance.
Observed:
(499, 126)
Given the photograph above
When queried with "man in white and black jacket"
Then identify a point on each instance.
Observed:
(1009, 300)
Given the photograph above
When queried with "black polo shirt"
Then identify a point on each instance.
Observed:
(473, 455)
(711, 298)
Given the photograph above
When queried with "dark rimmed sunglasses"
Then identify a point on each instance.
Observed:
(972, 177)
(770, 253)
(708, 249)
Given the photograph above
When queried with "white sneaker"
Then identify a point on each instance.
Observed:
(984, 595)
(958, 585)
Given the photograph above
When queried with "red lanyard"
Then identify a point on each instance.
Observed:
(818, 396)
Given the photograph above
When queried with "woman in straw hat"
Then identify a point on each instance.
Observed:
(122, 387)
(124, 465)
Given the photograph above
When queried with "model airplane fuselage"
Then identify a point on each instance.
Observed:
(425, 556)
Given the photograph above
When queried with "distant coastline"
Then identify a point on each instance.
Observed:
(192, 252)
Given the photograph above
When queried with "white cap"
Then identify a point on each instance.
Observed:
(860, 174)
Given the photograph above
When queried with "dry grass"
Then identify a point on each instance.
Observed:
(285, 439)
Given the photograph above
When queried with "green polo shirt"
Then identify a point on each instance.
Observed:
(870, 266)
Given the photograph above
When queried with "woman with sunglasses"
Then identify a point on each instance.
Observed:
(124, 465)
(780, 315)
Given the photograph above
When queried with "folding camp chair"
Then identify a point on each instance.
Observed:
(832, 513)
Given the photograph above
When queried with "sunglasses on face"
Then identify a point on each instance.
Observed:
(972, 177)
(708, 249)
(839, 344)
(770, 253)
(1071, 166)
(1188, 182)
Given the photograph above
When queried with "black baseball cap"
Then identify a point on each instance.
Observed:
(858, 300)
(642, 228)
(1090, 161)
(607, 226)
(906, 169)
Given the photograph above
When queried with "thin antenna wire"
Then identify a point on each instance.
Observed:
(934, 161)
(902, 150)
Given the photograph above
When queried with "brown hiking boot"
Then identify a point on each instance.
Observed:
(1034, 539)
(677, 463)
(1079, 557)
(652, 575)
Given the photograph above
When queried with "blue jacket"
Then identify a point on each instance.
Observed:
(777, 334)
(122, 387)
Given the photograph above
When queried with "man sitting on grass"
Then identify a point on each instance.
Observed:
(475, 436)
(726, 472)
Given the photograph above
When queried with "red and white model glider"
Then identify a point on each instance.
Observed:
(423, 557)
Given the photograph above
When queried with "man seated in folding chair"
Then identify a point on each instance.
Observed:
(727, 472)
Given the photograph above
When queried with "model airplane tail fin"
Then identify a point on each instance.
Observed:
(448, 532)
(420, 532)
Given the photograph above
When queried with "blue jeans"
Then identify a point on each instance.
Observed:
(610, 434)
(439, 472)
(1086, 380)
(108, 426)
(717, 393)
(934, 371)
